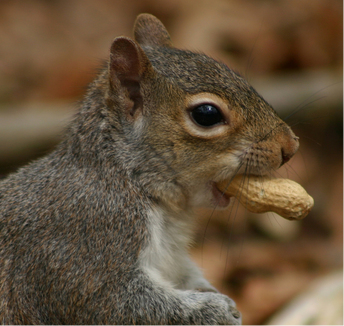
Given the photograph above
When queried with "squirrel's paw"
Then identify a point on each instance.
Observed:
(217, 309)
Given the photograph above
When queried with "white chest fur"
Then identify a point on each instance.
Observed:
(165, 259)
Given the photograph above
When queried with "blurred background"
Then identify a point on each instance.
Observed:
(291, 51)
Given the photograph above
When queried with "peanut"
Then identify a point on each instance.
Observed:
(262, 194)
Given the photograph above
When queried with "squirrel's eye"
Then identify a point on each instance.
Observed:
(207, 115)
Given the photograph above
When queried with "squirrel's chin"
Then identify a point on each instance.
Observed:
(220, 199)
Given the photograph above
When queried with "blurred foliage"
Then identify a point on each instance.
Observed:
(51, 49)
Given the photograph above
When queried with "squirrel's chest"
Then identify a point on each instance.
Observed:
(165, 254)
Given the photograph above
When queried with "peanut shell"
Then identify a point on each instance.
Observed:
(262, 194)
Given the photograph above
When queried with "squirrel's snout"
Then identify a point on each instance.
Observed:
(289, 148)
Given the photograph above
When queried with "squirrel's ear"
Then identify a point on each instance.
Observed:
(128, 64)
(149, 30)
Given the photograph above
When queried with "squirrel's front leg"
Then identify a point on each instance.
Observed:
(152, 302)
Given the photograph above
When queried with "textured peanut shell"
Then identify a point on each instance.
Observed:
(261, 194)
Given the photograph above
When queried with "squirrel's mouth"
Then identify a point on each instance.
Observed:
(220, 198)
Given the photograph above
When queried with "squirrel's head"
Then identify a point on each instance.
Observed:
(189, 120)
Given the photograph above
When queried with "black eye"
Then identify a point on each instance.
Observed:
(207, 115)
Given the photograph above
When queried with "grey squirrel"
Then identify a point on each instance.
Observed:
(98, 231)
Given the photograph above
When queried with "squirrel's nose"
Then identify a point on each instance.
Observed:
(289, 149)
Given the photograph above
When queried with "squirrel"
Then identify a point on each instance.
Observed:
(98, 231)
